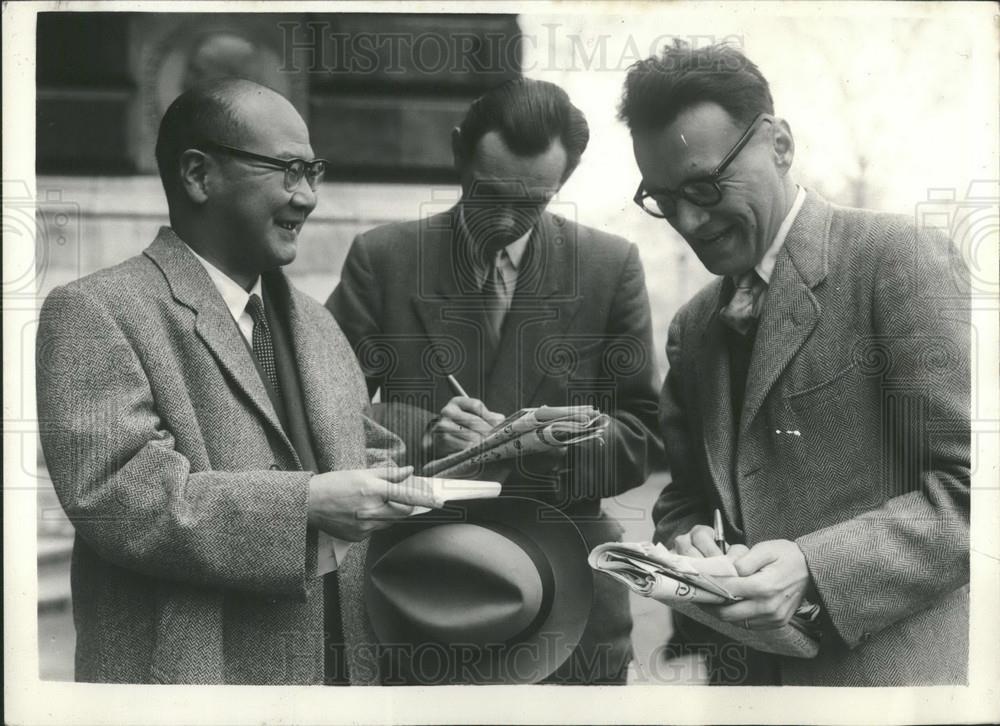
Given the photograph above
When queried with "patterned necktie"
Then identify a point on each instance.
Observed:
(263, 346)
(743, 309)
(497, 297)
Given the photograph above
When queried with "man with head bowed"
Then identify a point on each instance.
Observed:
(818, 390)
(522, 307)
(204, 422)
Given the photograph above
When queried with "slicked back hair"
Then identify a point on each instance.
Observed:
(658, 88)
(529, 115)
(207, 112)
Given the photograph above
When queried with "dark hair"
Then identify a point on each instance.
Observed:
(206, 112)
(529, 115)
(657, 89)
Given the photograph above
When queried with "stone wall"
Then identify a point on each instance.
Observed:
(87, 223)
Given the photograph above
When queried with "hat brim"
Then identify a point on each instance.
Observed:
(529, 660)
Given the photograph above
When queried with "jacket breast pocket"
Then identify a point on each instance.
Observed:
(829, 435)
(843, 383)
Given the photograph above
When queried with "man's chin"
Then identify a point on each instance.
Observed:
(723, 262)
(498, 239)
(283, 253)
(720, 264)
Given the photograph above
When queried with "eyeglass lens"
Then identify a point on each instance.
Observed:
(701, 193)
(313, 172)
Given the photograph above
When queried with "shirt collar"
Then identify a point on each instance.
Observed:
(765, 268)
(232, 292)
(515, 250)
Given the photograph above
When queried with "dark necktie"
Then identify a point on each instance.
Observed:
(263, 345)
(741, 315)
(495, 292)
(743, 310)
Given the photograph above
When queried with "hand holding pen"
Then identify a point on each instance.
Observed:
(719, 532)
(463, 422)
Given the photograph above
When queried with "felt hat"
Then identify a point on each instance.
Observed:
(483, 591)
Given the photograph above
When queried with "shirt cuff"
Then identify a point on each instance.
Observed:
(330, 552)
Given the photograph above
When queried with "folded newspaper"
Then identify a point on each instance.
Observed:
(687, 583)
(528, 431)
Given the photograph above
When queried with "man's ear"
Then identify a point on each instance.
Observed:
(784, 145)
(194, 170)
(457, 155)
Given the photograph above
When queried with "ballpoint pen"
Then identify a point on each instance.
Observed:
(720, 534)
(456, 387)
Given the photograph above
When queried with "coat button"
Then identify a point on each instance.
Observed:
(865, 637)
(274, 467)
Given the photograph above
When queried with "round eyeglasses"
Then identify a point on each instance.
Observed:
(294, 169)
(703, 191)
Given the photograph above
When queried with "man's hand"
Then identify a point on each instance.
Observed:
(699, 541)
(352, 504)
(463, 422)
(773, 580)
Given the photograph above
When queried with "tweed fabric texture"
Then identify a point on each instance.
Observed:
(853, 441)
(193, 561)
(577, 331)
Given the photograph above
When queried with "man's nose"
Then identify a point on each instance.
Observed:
(304, 196)
(689, 217)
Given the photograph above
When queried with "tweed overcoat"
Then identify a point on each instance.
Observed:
(193, 561)
(853, 441)
(578, 331)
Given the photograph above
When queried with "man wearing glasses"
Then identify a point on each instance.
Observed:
(818, 391)
(203, 421)
(522, 307)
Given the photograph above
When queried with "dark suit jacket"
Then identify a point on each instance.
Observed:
(193, 562)
(853, 441)
(578, 331)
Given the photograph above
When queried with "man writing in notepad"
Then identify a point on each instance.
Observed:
(523, 308)
(818, 391)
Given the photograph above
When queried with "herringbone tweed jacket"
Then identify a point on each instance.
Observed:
(193, 561)
(853, 440)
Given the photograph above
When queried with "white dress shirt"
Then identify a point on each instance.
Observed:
(233, 294)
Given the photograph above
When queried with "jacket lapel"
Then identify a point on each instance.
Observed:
(192, 287)
(450, 306)
(791, 311)
(323, 400)
(719, 437)
(544, 304)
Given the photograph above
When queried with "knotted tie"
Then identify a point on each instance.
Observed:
(497, 296)
(263, 345)
(743, 309)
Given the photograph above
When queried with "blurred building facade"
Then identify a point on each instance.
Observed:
(380, 94)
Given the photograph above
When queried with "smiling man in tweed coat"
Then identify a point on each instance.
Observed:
(202, 420)
(818, 391)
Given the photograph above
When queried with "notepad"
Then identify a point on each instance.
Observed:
(424, 493)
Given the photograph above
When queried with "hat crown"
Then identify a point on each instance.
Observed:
(430, 631)
(460, 583)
